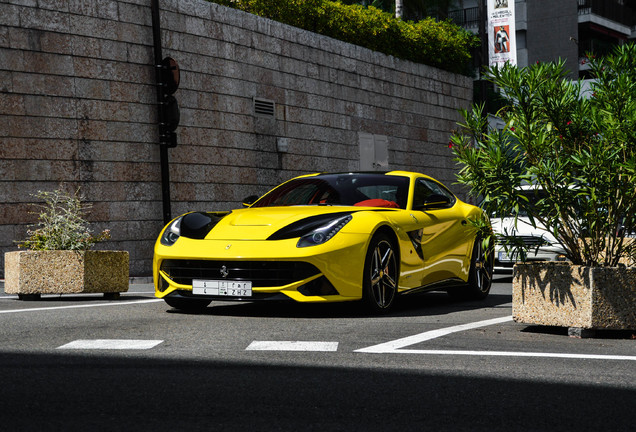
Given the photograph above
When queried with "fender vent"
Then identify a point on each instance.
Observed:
(264, 107)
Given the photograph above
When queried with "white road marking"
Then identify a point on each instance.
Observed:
(518, 354)
(111, 344)
(398, 344)
(117, 303)
(292, 346)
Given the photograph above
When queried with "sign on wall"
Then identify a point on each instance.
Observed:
(501, 32)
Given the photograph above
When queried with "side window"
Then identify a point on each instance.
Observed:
(424, 188)
(440, 190)
(422, 191)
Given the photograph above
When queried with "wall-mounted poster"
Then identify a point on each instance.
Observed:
(501, 32)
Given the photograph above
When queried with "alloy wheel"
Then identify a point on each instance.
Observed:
(383, 274)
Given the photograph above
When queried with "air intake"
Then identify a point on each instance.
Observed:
(264, 107)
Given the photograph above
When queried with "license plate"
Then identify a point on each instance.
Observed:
(222, 288)
(504, 257)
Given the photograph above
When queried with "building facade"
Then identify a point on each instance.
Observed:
(547, 30)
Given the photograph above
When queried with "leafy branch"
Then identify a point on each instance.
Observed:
(577, 147)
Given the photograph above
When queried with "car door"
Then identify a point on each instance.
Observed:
(444, 240)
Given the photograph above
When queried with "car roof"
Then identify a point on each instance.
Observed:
(397, 173)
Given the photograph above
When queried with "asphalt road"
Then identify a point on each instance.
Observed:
(79, 362)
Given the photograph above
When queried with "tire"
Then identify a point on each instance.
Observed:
(482, 264)
(381, 273)
(188, 305)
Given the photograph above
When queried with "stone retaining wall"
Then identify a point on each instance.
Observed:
(77, 108)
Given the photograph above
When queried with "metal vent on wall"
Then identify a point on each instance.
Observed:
(264, 107)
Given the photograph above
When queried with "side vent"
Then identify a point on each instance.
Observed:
(264, 107)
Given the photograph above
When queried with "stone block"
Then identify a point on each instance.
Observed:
(66, 272)
(559, 294)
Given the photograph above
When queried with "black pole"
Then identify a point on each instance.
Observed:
(163, 148)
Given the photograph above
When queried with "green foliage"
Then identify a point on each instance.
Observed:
(61, 225)
(385, 5)
(580, 148)
(439, 44)
(413, 9)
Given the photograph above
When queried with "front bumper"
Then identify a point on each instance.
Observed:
(277, 269)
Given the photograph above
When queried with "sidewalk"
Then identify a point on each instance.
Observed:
(136, 284)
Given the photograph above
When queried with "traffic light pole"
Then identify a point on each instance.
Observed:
(163, 148)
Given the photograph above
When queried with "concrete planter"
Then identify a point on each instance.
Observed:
(577, 297)
(31, 273)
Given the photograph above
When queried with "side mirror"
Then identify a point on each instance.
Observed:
(249, 200)
(435, 201)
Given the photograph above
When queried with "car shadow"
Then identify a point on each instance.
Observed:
(424, 304)
(410, 305)
(276, 309)
(503, 278)
(438, 303)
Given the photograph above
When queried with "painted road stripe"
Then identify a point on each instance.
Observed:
(292, 346)
(398, 344)
(117, 303)
(518, 354)
(111, 344)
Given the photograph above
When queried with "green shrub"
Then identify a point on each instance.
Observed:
(578, 147)
(440, 44)
(61, 225)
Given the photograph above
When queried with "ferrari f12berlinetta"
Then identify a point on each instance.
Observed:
(327, 238)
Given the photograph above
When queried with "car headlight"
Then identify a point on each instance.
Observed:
(195, 225)
(322, 234)
(172, 232)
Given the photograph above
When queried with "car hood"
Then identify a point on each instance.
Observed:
(260, 223)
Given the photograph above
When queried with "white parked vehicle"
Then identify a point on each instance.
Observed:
(540, 244)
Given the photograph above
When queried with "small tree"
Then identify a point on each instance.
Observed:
(61, 224)
(577, 146)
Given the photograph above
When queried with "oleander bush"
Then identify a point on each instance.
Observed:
(440, 44)
(576, 145)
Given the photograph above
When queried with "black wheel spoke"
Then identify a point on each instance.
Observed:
(480, 275)
(383, 274)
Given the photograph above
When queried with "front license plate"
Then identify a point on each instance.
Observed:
(222, 288)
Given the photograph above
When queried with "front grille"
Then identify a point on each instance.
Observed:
(260, 273)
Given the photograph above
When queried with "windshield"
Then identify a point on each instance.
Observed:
(340, 189)
(533, 196)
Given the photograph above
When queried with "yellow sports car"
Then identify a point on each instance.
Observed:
(326, 238)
